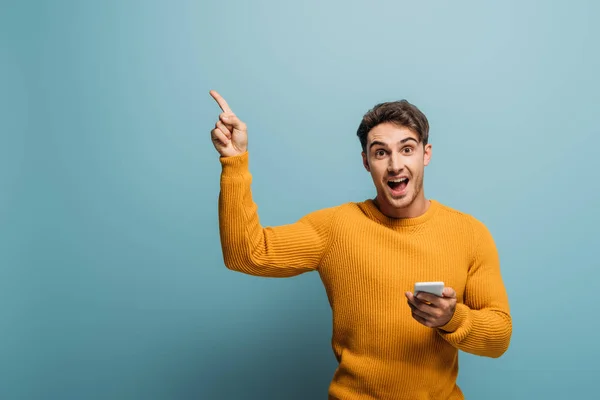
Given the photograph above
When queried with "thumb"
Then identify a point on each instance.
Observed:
(449, 292)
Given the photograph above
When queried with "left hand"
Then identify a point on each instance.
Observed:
(431, 310)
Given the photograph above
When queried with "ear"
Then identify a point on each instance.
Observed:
(427, 154)
(365, 161)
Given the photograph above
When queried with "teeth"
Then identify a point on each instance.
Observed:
(399, 180)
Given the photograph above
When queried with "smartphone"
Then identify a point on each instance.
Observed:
(436, 288)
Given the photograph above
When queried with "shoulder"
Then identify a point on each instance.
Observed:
(463, 219)
(327, 214)
(339, 215)
(476, 235)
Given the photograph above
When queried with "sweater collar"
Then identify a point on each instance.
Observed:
(369, 207)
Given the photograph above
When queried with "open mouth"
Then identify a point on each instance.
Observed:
(398, 185)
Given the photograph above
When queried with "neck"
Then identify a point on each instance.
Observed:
(416, 208)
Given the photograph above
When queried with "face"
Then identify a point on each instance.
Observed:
(396, 160)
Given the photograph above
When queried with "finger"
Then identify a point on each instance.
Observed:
(411, 298)
(221, 126)
(449, 292)
(427, 309)
(421, 314)
(412, 306)
(428, 298)
(219, 136)
(423, 309)
(421, 320)
(220, 101)
(232, 120)
(418, 312)
(223, 117)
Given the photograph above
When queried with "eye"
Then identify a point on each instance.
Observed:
(380, 153)
(407, 150)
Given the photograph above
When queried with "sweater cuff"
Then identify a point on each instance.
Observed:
(460, 315)
(233, 166)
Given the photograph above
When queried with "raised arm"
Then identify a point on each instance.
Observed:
(247, 246)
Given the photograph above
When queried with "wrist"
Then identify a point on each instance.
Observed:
(458, 318)
(234, 165)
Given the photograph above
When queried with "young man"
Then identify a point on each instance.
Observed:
(389, 342)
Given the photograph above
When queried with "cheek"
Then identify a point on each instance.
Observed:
(416, 168)
(378, 174)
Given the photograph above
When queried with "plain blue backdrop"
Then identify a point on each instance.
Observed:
(112, 283)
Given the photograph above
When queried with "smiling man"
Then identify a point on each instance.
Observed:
(390, 343)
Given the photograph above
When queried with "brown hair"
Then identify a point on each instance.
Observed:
(401, 113)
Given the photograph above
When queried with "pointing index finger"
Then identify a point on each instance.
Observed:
(221, 101)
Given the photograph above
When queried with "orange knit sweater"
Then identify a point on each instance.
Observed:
(367, 262)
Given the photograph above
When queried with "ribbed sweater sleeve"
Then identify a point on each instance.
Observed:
(482, 324)
(248, 247)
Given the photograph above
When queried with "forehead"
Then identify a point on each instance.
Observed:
(390, 133)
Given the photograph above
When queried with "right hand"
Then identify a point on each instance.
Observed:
(230, 135)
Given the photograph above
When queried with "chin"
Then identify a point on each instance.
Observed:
(402, 202)
(399, 202)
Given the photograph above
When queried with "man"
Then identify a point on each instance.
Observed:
(389, 342)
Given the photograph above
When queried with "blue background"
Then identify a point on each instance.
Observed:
(112, 284)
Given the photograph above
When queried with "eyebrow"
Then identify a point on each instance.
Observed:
(377, 142)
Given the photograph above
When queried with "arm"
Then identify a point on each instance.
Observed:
(248, 247)
(482, 324)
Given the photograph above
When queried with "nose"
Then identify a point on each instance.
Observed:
(395, 164)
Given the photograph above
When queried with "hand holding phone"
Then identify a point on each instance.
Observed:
(432, 309)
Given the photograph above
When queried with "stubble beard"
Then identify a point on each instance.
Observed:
(409, 198)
